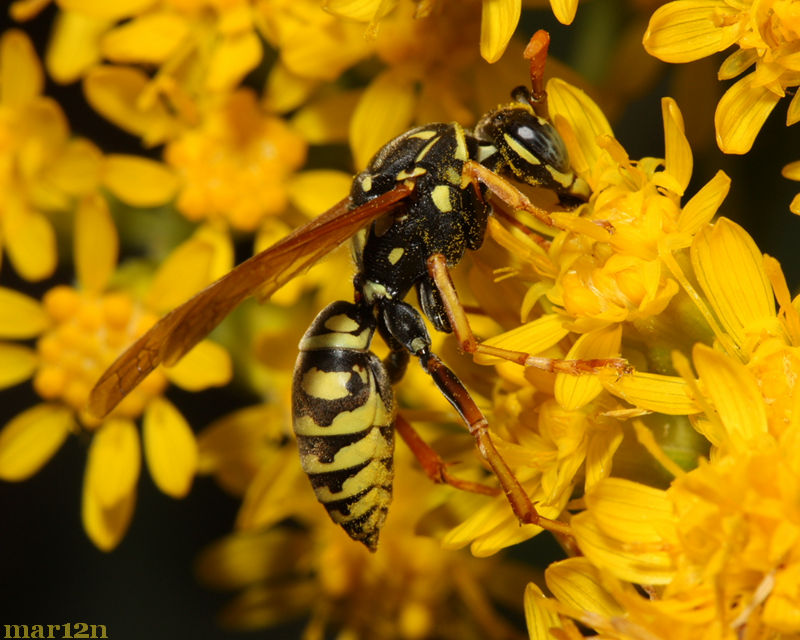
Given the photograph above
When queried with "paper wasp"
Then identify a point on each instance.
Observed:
(421, 203)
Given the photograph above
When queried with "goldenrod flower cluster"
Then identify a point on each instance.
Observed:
(676, 480)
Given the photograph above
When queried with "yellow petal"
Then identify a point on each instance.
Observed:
(21, 317)
(112, 468)
(792, 170)
(96, 244)
(531, 337)
(687, 30)
(21, 77)
(736, 63)
(326, 119)
(499, 19)
(170, 448)
(794, 206)
(735, 393)
(678, 153)
(76, 171)
(272, 495)
(233, 58)
(585, 118)
(74, 46)
(729, 267)
(360, 10)
(793, 112)
(603, 444)
(626, 530)
(286, 91)
(116, 10)
(193, 265)
(663, 394)
(24, 10)
(116, 92)
(384, 111)
(148, 39)
(573, 392)
(17, 363)
(578, 584)
(741, 113)
(564, 10)
(139, 182)
(30, 242)
(632, 512)
(105, 525)
(31, 438)
(704, 204)
(206, 365)
(314, 192)
(539, 618)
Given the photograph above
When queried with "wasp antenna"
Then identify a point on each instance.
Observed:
(536, 53)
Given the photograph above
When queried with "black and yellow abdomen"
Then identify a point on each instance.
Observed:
(344, 413)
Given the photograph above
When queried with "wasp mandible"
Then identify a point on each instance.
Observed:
(423, 200)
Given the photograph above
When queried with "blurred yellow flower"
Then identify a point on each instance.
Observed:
(235, 165)
(43, 170)
(414, 589)
(767, 36)
(197, 46)
(79, 332)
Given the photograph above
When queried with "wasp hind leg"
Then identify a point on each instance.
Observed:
(432, 464)
(440, 275)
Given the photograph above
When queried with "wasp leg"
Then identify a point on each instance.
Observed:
(405, 324)
(478, 426)
(439, 273)
(475, 173)
(433, 466)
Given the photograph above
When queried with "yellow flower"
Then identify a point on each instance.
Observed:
(425, 62)
(196, 45)
(237, 149)
(415, 590)
(79, 332)
(719, 547)
(499, 18)
(43, 170)
(767, 36)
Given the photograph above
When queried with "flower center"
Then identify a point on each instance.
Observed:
(88, 332)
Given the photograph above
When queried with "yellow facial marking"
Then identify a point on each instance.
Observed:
(521, 151)
(366, 183)
(395, 254)
(564, 179)
(441, 198)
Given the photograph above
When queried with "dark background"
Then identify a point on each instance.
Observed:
(49, 571)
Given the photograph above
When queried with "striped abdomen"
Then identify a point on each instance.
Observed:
(344, 420)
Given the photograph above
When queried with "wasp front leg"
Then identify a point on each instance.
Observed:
(475, 173)
(459, 324)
